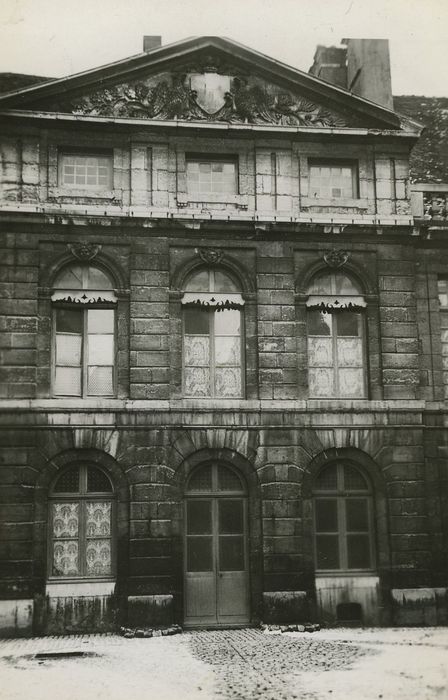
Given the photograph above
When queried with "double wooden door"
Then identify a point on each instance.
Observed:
(216, 560)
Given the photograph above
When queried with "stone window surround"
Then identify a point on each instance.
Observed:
(250, 369)
(45, 326)
(80, 497)
(373, 382)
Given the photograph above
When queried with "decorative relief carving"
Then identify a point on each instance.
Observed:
(206, 91)
(83, 250)
(211, 256)
(336, 258)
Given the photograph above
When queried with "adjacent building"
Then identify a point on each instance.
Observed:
(224, 346)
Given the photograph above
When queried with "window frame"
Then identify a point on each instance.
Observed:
(443, 325)
(353, 164)
(334, 350)
(68, 152)
(341, 495)
(81, 497)
(83, 309)
(329, 302)
(210, 159)
(211, 335)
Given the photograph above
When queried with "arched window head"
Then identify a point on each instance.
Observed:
(335, 323)
(212, 335)
(215, 478)
(343, 518)
(84, 332)
(81, 514)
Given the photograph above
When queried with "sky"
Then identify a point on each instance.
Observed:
(59, 37)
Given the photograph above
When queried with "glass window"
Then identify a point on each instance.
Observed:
(442, 285)
(333, 180)
(336, 356)
(343, 519)
(81, 524)
(211, 177)
(85, 171)
(84, 333)
(212, 336)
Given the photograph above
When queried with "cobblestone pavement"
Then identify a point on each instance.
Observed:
(250, 665)
(246, 664)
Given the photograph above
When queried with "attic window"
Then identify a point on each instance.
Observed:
(85, 170)
(211, 176)
(336, 179)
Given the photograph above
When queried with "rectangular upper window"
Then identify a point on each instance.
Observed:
(211, 176)
(333, 179)
(86, 170)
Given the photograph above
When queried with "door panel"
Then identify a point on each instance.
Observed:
(216, 577)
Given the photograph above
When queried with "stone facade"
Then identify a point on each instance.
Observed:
(274, 238)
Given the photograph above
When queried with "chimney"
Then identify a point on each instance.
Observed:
(368, 70)
(151, 42)
(361, 66)
(330, 65)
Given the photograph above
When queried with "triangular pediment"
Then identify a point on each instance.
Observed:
(210, 80)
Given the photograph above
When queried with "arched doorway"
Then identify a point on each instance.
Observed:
(216, 557)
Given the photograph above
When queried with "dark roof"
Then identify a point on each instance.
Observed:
(15, 81)
(429, 157)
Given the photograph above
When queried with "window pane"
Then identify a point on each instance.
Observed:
(199, 282)
(68, 381)
(344, 285)
(199, 554)
(199, 517)
(228, 480)
(356, 510)
(98, 558)
(224, 283)
(349, 352)
(231, 553)
(98, 515)
(326, 515)
(69, 321)
(227, 322)
(68, 482)
(65, 558)
(319, 323)
(100, 320)
(65, 520)
(101, 349)
(320, 352)
(321, 382)
(196, 351)
(227, 351)
(68, 349)
(228, 382)
(97, 481)
(197, 322)
(231, 517)
(100, 381)
(197, 381)
(351, 383)
(327, 552)
(69, 278)
(201, 479)
(347, 323)
(358, 552)
(353, 479)
(328, 479)
(97, 279)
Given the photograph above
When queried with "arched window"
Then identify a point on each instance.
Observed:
(336, 356)
(81, 524)
(84, 332)
(212, 336)
(343, 519)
